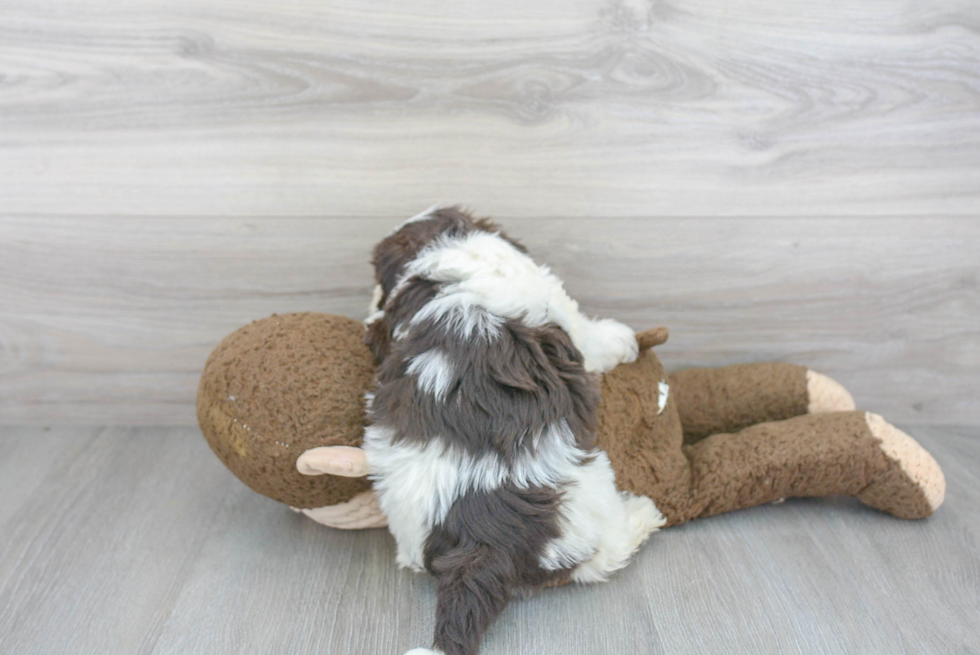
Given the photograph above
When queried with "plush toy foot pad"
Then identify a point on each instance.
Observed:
(360, 512)
(826, 394)
(913, 485)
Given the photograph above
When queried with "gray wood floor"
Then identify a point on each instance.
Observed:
(137, 540)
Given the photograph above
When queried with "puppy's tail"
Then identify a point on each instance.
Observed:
(474, 586)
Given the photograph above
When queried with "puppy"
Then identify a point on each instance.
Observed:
(483, 423)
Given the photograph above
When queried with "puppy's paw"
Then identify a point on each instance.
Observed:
(644, 518)
(608, 343)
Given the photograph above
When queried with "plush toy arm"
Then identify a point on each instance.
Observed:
(841, 453)
(360, 512)
(728, 399)
(344, 461)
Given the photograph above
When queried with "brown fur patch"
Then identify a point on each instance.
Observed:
(485, 551)
(500, 393)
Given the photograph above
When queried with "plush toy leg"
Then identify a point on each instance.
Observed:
(844, 453)
(728, 399)
(826, 394)
(917, 474)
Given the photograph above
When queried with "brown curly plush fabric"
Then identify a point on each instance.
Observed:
(713, 400)
(810, 455)
(802, 455)
(278, 387)
(288, 383)
(644, 446)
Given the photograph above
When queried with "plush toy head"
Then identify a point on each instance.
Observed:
(287, 383)
(278, 387)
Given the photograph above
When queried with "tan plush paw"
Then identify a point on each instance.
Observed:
(359, 513)
(914, 485)
(827, 394)
(344, 461)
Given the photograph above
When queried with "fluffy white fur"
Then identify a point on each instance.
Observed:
(601, 527)
(433, 372)
(418, 484)
(663, 393)
(375, 305)
(466, 318)
(482, 270)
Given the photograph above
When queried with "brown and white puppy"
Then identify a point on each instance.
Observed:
(482, 423)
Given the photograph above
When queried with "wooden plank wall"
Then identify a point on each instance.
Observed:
(112, 319)
(791, 180)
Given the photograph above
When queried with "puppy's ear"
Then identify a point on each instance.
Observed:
(378, 338)
(486, 225)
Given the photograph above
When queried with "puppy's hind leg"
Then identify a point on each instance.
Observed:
(621, 538)
(474, 586)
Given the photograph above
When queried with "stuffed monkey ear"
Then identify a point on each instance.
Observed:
(652, 337)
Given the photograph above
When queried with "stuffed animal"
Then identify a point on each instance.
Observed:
(281, 402)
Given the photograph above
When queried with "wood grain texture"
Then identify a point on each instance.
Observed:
(139, 541)
(110, 321)
(570, 108)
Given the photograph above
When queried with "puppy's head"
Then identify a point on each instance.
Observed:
(393, 254)
(403, 245)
